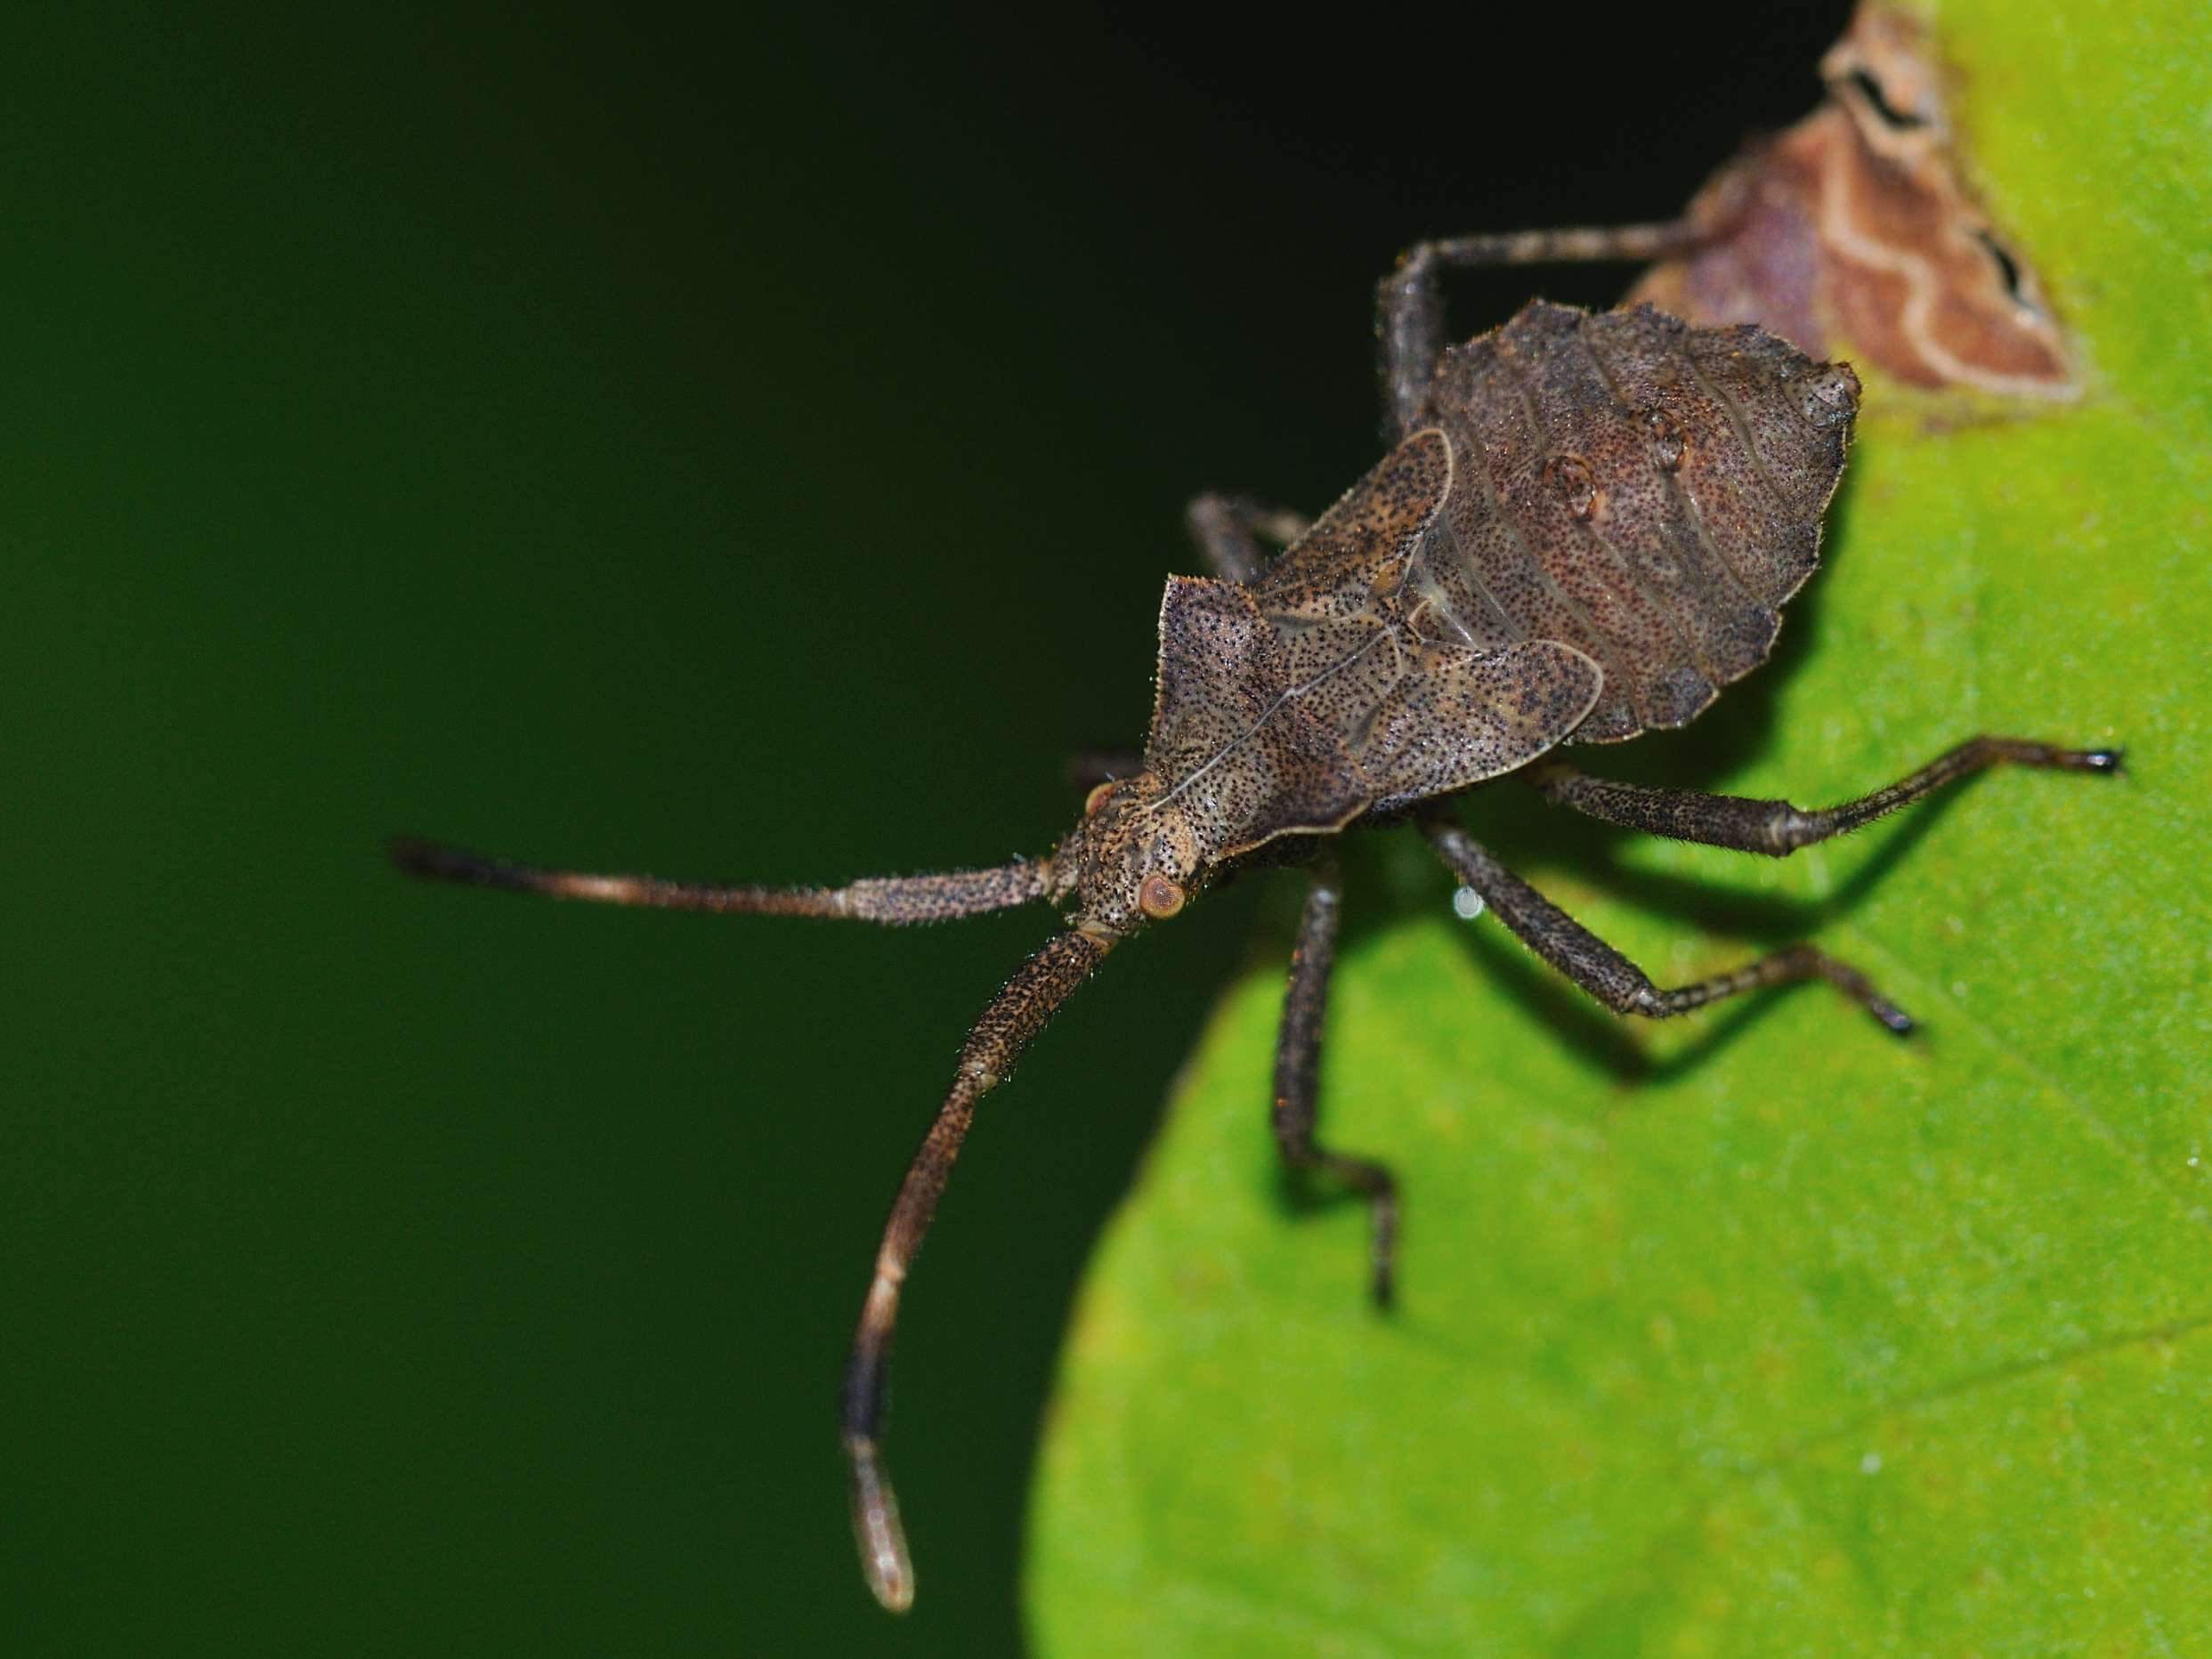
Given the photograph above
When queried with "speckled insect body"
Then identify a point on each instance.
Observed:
(1585, 529)
(1588, 533)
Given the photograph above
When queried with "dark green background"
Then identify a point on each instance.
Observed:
(727, 445)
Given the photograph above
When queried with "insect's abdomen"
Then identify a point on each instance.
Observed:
(1645, 491)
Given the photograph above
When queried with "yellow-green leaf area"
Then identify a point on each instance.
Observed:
(1761, 1332)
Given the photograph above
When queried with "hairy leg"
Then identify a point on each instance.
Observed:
(1778, 829)
(1297, 1056)
(1409, 303)
(1611, 977)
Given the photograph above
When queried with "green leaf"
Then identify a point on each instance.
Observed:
(1761, 1332)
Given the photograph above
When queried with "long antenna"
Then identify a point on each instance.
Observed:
(896, 901)
(1020, 1010)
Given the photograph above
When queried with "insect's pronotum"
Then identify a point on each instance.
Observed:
(1585, 531)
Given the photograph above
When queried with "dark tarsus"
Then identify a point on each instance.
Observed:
(1586, 530)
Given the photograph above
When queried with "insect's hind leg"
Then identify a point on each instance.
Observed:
(1778, 829)
(1409, 303)
(1229, 531)
(1297, 1056)
(1611, 977)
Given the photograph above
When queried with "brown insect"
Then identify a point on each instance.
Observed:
(1585, 531)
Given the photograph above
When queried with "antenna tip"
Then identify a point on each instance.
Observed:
(415, 857)
(435, 860)
(884, 1561)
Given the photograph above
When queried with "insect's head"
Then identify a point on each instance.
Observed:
(1132, 859)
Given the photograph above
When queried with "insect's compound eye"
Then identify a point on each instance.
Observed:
(1158, 897)
(1571, 480)
(1097, 798)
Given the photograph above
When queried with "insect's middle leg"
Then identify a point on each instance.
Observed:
(1297, 1055)
(1409, 303)
(1229, 531)
(1611, 977)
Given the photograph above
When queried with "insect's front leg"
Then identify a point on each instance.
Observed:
(1409, 303)
(1229, 531)
(1297, 1070)
(1611, 977)
(1777, 828)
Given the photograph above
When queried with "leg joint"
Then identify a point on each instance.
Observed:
(1414, 271)
(1622, 986)
(1788, 828)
